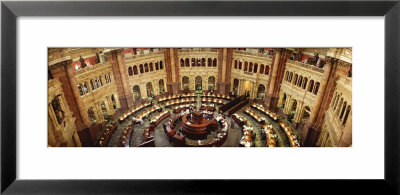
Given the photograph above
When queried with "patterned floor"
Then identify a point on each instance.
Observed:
(234, 133)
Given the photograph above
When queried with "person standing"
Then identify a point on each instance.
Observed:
(83, 64)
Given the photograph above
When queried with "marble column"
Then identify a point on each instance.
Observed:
(81, 108)
(120, 76)
(317, 103)
(273, 76)
(171, 60)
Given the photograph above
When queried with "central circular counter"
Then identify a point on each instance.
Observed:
(194, 126)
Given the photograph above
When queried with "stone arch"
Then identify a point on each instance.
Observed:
(305, 82)
(262, 69)
(316, 88)
(136, 92)
(346, 115)
(255, 68)
(141, 69)
(266, 71)
(215, 62)
(198, 83)
(187, 62)
(310, 88)
(185, 83)
(149, 89)
(211, 82)
(236, 86)
(260, 91)
(182, 62)
(130, 71)
(161, 86)
(80, 89)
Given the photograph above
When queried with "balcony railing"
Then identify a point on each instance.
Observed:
(265, 55)
(198, 50)
(308, 66)
(90, 68)
(141, 54)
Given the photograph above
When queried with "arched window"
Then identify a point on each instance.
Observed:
(92, 84)
(209, 62)
(151, 66)
(80, 89)
(182, 63)
(262, 69)
(246, 65)
(136, 92)
(146, 67)
(300, 80)
(347, 114)
(316, 88)
(336, 102)
(310, 89)
(193, 62)
(343, 109)
(156, 64)
(109, 77)
(295, 79)
(290, 77)
(97, 83)
(198, 62)
(305, 82)
(251, 67)
(185, 83)
(161, 87)
(161, 65)
(149, 89)
(135, 71)
(141, 69)
(215, 62)
(339, 106)
(198, 83)
(255, 67)
(266, 70)
(100, 80)
(240, 65)
(187, 64)
(211, 82)
(106, 77)
(130, 72)
(236, 64)
(203, 62)
(85, 87)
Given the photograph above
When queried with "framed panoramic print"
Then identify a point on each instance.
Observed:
(199, 97)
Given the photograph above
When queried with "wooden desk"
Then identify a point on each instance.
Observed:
(105, 138)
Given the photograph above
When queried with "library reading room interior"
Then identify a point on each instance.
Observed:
(199, 97)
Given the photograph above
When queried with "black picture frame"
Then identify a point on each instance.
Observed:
(10, 10)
